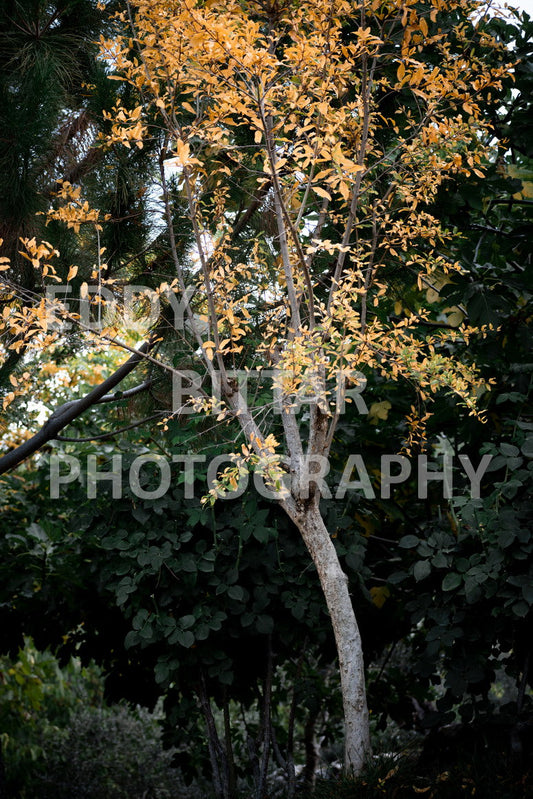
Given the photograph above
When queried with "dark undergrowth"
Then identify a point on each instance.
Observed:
(494, 777)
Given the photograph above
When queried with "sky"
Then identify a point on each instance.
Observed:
(524, 5)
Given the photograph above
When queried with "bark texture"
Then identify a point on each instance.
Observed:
(307, 517)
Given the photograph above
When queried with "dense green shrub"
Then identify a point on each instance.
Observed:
(60, 740)
(37, 694)
(107, 753)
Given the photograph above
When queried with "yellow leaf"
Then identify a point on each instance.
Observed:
(379, 410)
(183, 150)
(8, 399)
(84, 290)
(209, 347)
(527, 189)
(322, 192)
(454, 318)
(400, 73)
(344, 190)
(72, 272)
(379, 594)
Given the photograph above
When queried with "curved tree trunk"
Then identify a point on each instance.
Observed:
(307, 517)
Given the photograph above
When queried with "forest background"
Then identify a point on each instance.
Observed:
(213, 615)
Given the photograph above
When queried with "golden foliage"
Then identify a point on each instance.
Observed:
(308, 82)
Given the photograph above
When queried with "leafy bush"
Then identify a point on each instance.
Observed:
(107, 753)
(59, 740)
(35, 694)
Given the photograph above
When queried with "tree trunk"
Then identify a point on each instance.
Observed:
(311, 751)
(307, 517)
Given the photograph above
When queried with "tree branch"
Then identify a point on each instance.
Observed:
(71, 410)
(111, 433)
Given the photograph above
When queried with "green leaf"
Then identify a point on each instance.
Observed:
(131, 639)
(161, 672)
(140, 514)
(527, 447)
(262, 534)
(421, 570)
(185, 638)
(354, 560)
(440, 561)
(527, 593)
(514, 463)
(521, 608)
(506, 538)
(472, 592)
(451, 581)
(408, 542)
(509, 450)
(139, 619)
(298, 611)
(36, 531)
(265, 624)
(510, 487)
(236, 592)
(397, 577)
(201, 632)
(187, 564)
(496, 463)
(146, 632)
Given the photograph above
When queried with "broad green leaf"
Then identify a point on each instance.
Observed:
(451, 581)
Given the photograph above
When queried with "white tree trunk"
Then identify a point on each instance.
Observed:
(306, 515)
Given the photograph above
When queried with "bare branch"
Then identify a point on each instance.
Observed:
(112, 433)
(71, 410)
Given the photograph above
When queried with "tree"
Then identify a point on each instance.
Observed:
(338, 123)
(455, 573)
(48, 56)
(470, 574)
(53, 91)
